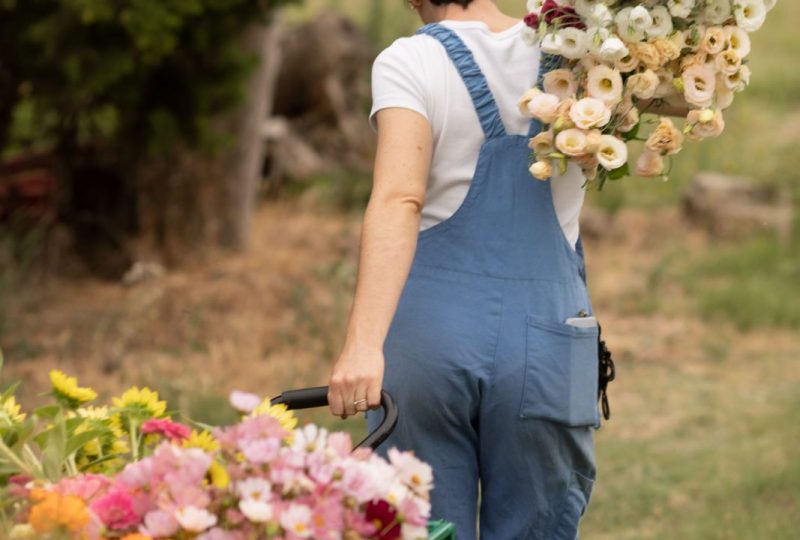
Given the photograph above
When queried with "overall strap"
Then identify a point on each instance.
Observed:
(473, 78)
(547, 62)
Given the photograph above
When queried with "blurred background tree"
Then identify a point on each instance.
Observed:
(148, 111)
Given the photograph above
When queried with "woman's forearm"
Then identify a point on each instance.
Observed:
(388, 242)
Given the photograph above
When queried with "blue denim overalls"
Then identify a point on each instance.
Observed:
(492, 385)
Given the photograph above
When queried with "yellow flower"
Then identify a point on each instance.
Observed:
(67, 391)
(280, 411)
(10, 412)
(218, 474)
(202, 440)
(54, 513)
(144, 401)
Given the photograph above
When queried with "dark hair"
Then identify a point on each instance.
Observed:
(462, 3)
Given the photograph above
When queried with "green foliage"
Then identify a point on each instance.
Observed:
(130, 75)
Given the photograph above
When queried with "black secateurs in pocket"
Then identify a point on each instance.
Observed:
(606, 372)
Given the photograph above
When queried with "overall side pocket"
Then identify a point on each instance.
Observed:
(561, 373)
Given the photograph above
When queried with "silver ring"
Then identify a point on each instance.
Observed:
(359, 401)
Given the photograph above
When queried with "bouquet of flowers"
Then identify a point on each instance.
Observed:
(129, 471)
(613, 60)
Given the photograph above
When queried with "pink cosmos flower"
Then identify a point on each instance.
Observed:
(165, 427)
(86, 486)
(116, 510)
(159, 523)
(244, 401)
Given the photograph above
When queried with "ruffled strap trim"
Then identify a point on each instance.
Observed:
(482, 98)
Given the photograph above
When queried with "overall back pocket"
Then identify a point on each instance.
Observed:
(561, 373)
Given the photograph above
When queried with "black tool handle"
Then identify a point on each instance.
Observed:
(309, 398)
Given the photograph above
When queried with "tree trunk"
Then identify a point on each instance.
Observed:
(240, 167)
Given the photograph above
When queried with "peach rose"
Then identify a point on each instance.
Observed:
(714, 40)
(542, 143)
(650, 163)
(626, 64)
(669, 50)
(541, 170)
(643, 85)
(543, 106)
(647, 53)
(666, 138)
(629, 121)
(564, 121)
(560, 82)
(526, 99)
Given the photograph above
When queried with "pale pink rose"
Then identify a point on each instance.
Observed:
(560, 82)
(526, 99)
(650, 163)
(571, 142)
(543, 106)
(699, 83)
(588, 113)
(704, 123)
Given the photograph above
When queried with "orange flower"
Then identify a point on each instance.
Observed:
(56, 512)
(136, 536)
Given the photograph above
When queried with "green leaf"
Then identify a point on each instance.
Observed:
(54, 451)
(75, 442)
(618, 173)
(8, 391)
(47, 411)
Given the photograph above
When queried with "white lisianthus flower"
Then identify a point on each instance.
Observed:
(625, 27)
(600, 16)
(604, 83)
(588, 113)
(613, 49)
(737, 40)
(718, 11)
(551, 43)
(662, 23)
(680, 8)
(612, 153)
(574, 43)
(640, 18)
(571, 142)
(769, 4)
(750, 14)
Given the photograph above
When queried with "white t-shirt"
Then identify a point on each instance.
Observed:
(416, 73)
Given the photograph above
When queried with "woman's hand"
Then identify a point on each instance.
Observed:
(356, 380)
(388, 242)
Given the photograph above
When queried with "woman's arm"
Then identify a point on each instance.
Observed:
(388, 242)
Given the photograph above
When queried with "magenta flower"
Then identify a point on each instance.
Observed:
(116, 510)
(165, 427)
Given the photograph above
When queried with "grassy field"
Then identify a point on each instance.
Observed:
(703, 442)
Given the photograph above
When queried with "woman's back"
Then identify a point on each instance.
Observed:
(416, 73)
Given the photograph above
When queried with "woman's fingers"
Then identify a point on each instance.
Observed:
(374, 395)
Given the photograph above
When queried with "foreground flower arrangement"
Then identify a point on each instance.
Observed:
(128, 471)
(618, 59)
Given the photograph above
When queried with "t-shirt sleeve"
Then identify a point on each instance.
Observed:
(397, 80)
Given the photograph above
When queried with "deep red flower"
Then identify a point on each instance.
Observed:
(382, 514)
(532, 20)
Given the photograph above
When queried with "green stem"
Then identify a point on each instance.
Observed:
(23, 467)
